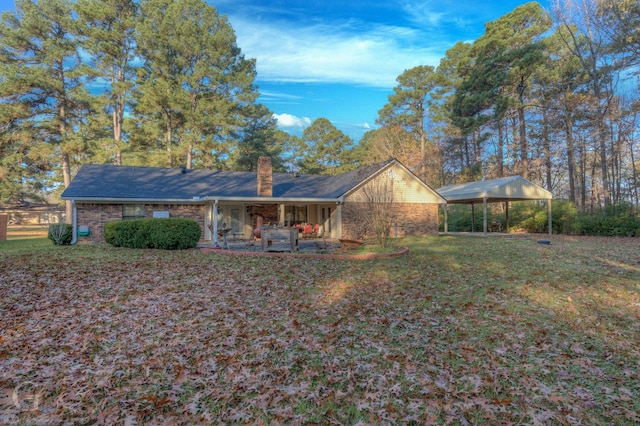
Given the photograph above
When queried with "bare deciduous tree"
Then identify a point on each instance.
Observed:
(376, 208)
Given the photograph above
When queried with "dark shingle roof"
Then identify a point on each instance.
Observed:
(108, 182)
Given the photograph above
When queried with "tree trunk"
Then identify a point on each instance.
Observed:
(524, 146)
(189, 155)
(466, 153)
(583, 177)
(635, 172)
(602, 139)
(66, 175)
(169, 136)
(547, 148)
(117, 134)
(66, 162)
(616, 163)
(423, 166)
(571, 162)
(118, 115)
(500, 153)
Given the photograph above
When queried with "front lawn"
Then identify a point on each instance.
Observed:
(461, 330)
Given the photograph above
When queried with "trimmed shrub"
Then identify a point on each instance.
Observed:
(60, 233)
(166, 234)
(109, 232)
(174, 233)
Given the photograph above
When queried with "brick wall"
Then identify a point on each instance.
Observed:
(409, 219)
(269, 213)
(96, 215)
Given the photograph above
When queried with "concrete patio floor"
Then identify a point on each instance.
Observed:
(310, 245)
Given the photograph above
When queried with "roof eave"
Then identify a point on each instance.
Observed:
(200, 200)
(273, 199)
(104, 200)
(491, 200)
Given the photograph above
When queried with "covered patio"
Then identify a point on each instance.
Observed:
(502, 190)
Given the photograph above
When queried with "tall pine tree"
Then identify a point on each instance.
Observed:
(195, 77)
(108, 27)
(42, 87)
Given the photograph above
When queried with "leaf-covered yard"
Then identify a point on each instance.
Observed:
(460, 330)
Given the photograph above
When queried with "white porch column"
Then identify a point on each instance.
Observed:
(215, 222)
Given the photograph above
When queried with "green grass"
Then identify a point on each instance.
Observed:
(459, 330)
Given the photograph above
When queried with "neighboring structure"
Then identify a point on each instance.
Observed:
(103, 193)
(34, 214)
(514, 188)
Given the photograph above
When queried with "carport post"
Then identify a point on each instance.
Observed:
(549, 215)
(446, 220)
(506, 215)
(473, 218)
(484, 214)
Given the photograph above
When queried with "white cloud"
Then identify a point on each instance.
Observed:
(291, 121)
(321, 53)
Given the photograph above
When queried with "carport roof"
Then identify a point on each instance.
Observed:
(514, 188)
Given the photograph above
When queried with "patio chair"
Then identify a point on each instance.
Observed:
(307, 231)
(257, 232)
(316, 230)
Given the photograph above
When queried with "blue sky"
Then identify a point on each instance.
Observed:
(339, 59)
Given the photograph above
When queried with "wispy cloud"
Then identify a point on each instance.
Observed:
(424, 13)
(365, 43)
(279, 98)
(323, 53)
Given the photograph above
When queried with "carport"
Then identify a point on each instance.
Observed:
(503, 190)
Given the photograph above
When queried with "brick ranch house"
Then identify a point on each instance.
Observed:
(102, 193)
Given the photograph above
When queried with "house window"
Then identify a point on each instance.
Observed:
(235, 220)
(295, 214)
(132, 211)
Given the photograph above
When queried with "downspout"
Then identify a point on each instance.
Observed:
(74, 220)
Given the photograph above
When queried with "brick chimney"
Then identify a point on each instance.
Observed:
(265, 188)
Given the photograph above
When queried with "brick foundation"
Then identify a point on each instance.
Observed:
(412, 220)
(96, 215)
